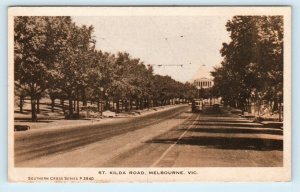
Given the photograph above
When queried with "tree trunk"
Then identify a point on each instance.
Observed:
(122, 107)
(52, 104)
(107, 104)
(62, 103)
(38, 106)
(74, 104)
(118, 106)
(77, 106)
(84, 101)
(141, 104)
(154, 103)
(101, 107)
(126, 105)
(98, 105)
(113, 104)
(136, 104)
(279, 112)
(33, 110)
(275, 105)
(130, 104)
(70, 108)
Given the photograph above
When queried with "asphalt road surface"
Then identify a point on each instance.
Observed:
(171, 138)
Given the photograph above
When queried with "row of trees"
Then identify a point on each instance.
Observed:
(55, 58)
(252, 68)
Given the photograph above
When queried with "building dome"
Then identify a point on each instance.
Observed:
(204, 82)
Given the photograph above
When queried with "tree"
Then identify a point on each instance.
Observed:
(54, 57)
(30, 66)
(100, 75)
(21, 90)
(74, 58)
(253, 60)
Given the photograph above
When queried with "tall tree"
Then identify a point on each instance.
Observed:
(253, 60)
(71, 70)
(30, 66)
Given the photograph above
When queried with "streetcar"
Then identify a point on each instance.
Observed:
(197, 105)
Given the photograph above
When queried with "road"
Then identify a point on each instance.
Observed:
(170, 138)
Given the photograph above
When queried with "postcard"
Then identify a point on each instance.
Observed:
(149, 94)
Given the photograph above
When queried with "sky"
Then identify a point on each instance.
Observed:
(183, 47)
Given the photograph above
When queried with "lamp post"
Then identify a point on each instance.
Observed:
(101, 100)
(251, 105)
(260, 97)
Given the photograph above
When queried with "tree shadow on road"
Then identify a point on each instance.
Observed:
(30, 120)
(229, 143)
(228, 124)
(221, 120)
(236, 130)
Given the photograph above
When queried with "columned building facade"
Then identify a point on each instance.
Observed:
(203, 83)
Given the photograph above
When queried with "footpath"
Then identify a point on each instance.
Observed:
(267, 120)
(61, 123)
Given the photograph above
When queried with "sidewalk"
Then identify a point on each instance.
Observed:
(60, 123)
(265, 120)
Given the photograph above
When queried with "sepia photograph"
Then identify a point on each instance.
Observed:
(145, 94)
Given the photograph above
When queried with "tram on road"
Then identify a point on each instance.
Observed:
(197, 105)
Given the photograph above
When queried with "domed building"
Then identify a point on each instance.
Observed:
(204, 83)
